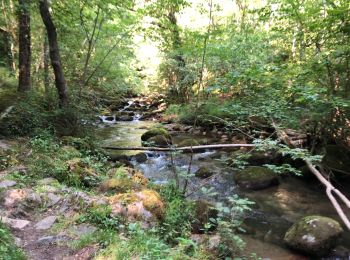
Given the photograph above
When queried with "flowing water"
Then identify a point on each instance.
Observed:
(275, 209)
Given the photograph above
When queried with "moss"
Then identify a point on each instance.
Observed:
(314, 235)
(118, 185)
(152, 202)
(150, 199)
(158, 140)
(139, 178)
(154, 132)
(203, 173)
(256, 178)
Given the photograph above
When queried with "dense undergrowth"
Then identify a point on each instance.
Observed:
(8, 248)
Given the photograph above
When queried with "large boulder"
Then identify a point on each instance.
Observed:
(154, 132)
(256, 178)
(314, 235)
(205, 215)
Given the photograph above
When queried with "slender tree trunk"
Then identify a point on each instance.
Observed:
(24, 45)
(55, 57)
(46, 65)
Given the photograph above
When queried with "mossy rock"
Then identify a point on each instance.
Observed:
(80, 173)
(337, 158)
(258, 158)
(256, 178)
(203, 173)
(314, 235)
(158, 141)
(118, 185)
(145, 205)
(139, 178)
(154, 132)
(205, 215)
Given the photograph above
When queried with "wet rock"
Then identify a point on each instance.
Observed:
(158, 141)
(339, 252)
(256, 178)
(7, 184)
(46, 223)
(337, 158)
(118, 157)
(140, 157)
(203, 173)
(15, 223)
(314, 235)
(205, 213)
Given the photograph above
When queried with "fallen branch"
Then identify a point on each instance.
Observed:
(329, 189)
(185, 148)
(6, 112)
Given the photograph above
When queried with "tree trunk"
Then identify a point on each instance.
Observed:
(55, 57)
(46, 65)
(24, 46)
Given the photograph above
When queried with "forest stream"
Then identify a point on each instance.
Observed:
(275, 209)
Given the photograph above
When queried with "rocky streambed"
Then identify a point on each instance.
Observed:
(279, 203)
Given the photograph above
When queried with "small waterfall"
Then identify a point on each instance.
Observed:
(137, 117)
(108, 119)
(130, 103)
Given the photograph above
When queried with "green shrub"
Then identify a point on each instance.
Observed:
(8, 250)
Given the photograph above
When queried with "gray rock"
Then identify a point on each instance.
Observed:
(15, 223)
(47, 240)
(314, 235)
(84, 229)
(7, 184)
(46, 223)
(52, 199)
